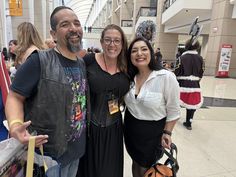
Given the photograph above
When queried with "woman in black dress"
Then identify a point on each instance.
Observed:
(108, 83)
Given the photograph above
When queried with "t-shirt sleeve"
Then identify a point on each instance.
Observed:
(27, 76)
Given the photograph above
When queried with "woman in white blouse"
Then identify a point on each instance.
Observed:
(152, 107)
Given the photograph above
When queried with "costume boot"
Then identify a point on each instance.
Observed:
(189, 119)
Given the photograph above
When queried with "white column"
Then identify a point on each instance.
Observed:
(31, 11)
(3, 26)
(44, 16)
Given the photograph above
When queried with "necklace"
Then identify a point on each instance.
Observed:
(58, 50)
(106, 64)
(63, 55)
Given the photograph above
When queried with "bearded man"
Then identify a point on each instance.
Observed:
(49, 91)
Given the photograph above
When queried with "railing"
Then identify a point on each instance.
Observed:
(126, 23)
(146, 12)
(167, 4)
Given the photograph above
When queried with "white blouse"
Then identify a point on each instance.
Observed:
(158, 97)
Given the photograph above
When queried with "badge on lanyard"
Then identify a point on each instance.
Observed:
(113, 105)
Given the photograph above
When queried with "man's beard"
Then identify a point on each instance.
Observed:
(71, 46)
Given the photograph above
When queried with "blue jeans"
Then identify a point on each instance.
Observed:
(71, 169)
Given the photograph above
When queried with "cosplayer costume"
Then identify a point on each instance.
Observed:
(189, 71)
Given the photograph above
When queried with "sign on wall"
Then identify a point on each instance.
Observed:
(15, 8)
(224, 63)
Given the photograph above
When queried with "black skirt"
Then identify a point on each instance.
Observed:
(143, 139)
(105, 152)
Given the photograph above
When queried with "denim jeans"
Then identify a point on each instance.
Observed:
(53, 171)
(56, 170)
(71, 169)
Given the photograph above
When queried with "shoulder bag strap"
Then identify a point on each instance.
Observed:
(30, 157)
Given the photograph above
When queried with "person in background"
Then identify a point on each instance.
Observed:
(82, 53)
(178, 54)
(49, 43)
(5, 54)
(108, 82)
(29, 41)
(89, 50)
(11, 49)
(48, 95)
(96, 50)
(12, 56)
(152, 107)
(158, 56)
(189, 71)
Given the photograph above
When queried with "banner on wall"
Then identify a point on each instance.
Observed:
(224, 63)
(15, 8)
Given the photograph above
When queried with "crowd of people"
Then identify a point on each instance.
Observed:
(72, 98)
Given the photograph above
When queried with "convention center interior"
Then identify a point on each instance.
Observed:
(108, 88)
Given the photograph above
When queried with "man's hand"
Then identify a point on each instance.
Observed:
(20, 132)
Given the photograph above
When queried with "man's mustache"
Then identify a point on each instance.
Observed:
(73, 34)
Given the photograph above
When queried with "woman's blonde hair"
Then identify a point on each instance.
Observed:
(27, 35)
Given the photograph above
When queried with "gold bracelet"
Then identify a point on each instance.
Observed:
(14, 122)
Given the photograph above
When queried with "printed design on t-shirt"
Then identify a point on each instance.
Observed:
(76, 78)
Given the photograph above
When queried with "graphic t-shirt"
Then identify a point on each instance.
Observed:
(76, 77)
(25, 83)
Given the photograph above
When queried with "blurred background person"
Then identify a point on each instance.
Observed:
(49, 43)
(12, 57)
(11, 49)
(82, 53)
(29, 41)
(4, 53)
(158, 56)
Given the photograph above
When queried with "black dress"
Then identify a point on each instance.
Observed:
(104, 155)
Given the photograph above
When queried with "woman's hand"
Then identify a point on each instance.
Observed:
(166, 141)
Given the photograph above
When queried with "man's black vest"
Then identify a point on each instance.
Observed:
(50, 108)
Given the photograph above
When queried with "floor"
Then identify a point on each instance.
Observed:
(209, 150)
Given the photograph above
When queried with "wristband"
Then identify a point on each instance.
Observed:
(167, 132)
(14, 122)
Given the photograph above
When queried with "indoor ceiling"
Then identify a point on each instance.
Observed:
(81, 8)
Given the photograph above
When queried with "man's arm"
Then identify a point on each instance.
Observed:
(23, 86)
(14, 107)
(15, 116)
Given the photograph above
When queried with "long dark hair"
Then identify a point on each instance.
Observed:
(153, 65)
(12, 55)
